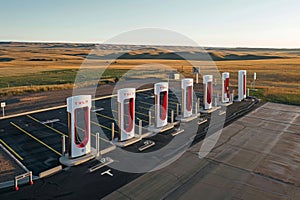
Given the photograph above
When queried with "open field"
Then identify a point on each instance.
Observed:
(39, 67)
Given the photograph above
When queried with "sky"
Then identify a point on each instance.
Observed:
(215, 23)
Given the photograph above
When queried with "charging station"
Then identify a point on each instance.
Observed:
(242, 84)
(226, 98)
(126, 113)
(225, 87)
(208, 95)
(161, 91)
(78, 108)
(126, 118)
(208, 91)
(187, 97)
(187, 101)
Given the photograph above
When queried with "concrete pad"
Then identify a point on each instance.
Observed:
(176, 132)
(239, 157)
(257, 140)
(167, 127)
(187, 119)
(127, 142)
(213, 109)
(202, 120)
(276, 115)
(65, 160)
(226, 134)
(283, 162)
(137, 190)
(226, 182)
(51, 171)
(282, 107)
(256, 157)
(147, 144)
(293, 129)
(258, 123)
(161, 181)
(103, 150)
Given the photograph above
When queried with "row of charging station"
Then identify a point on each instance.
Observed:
(208, 88)
(126, 107)
(78, 108)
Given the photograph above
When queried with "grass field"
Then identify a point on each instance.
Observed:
(27, 67)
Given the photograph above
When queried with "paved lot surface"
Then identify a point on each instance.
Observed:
(256, 157)
(38, 147)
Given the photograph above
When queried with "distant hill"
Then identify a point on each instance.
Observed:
(120, 51)
(185, 55)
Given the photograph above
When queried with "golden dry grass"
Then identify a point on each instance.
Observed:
(277, 77)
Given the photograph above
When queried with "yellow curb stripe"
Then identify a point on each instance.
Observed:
(33, 137)
(107, 117)
(103, 126)
(53, 129)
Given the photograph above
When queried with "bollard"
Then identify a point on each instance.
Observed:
(177, 109)
(231, 97)
(198, 103)
(172, 116)
(112, 131)
(196, 109)
(30, 178)
(248, 91)
(140, 127)
(63, 144)
(3, 104)
(97, 145)
(149, 120)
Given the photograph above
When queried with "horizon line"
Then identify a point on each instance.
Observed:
(94, 42)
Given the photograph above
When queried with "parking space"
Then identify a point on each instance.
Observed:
(32, 143)
(36, 139)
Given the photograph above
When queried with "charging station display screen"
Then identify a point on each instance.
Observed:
(163, 99)
(128, 114)
(81, 126)
(209, 92)
(189, 93)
